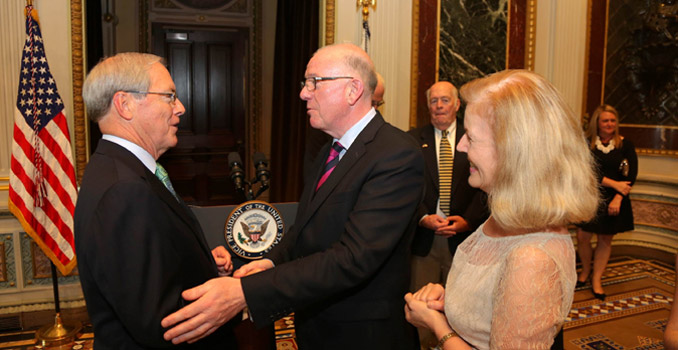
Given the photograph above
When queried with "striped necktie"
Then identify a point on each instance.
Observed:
(162, 175)
(331, 163)
(445, 164)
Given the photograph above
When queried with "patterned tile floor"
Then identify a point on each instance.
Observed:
(634, 315)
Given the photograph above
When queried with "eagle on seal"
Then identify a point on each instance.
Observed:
(254, 234)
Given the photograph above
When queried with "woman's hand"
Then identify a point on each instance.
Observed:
(615, 204)
(420, 315)
(623, 187)
(433, 295)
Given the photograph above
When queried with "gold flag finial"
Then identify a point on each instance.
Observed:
(29, 2)
(365, 4)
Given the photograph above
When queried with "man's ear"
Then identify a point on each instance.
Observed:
(354, 91)
(458, 104)
(124, 104)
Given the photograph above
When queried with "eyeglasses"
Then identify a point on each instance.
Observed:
(310, 82)
(377, 104)
(172, 95)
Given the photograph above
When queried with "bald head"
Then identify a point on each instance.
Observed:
(355, 59)
(443, 104)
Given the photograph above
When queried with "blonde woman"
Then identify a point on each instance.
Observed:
(512, 281)
(617, 165)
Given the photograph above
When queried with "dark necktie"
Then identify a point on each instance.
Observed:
(161, 174)
(331, 163)
(445, 164)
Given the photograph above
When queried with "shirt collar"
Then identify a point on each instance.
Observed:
(140, 153)
(347, 139)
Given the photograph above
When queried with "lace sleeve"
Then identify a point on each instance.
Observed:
(528, 301)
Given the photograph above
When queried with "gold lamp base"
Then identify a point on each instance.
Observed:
(60, 335)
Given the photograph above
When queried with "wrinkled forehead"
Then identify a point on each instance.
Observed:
(326, 62)
(160, 76)
(442, 91)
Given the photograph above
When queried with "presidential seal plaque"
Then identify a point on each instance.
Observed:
(253, 228)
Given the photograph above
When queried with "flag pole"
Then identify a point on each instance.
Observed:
(29, 194)
(59, 333)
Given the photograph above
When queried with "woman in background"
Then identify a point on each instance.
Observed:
(512, 281)
(617, 166)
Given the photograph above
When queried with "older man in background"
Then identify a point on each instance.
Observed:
(451, 209)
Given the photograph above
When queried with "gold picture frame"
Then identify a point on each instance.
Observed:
(520, 47)
(654, 140)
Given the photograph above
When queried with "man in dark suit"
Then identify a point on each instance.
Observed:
(138, 244)
(344, 265)
(444, 220)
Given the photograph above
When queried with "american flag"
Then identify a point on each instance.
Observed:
(42, 189)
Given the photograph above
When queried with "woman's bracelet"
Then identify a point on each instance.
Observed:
(445, 338)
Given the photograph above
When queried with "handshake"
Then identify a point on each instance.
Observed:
(213, 303)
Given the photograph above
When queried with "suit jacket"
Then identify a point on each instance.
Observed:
(467, 202)
(344, 266)
(138, 248)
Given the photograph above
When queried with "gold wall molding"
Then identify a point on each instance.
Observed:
(414, 67)
(531, 34)
(77, 62)
(3, 262)
(329, 22)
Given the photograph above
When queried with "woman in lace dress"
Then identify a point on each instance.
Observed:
(617, 165)
(512, 281)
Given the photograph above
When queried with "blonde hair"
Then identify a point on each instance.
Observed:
(127, 71)
(545, 172)
(592, 130)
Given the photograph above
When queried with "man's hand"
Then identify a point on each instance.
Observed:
(253, 267)
(214, 303)
(457, 224)
(223, 259)
(445, 227)
(432, 222)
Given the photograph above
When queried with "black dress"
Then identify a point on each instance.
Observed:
(609, 166)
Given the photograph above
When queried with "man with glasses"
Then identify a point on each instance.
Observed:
(138, 245)
(342, 268)
(451, 209)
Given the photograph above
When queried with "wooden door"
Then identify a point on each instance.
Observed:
(209, 69)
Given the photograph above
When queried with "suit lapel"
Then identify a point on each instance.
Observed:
(312, 202)
(430, 157)
(180, 209)
(311, 177)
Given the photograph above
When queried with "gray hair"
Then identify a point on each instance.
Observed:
(127, 71)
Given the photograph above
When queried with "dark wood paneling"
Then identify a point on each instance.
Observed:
(208, 69)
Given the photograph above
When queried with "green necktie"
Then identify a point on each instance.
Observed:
(161, 174)
(445, 163)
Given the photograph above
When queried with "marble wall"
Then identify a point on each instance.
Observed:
(641, 75)
(472, 39)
